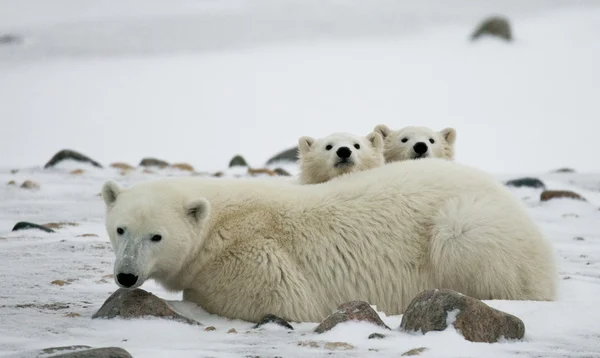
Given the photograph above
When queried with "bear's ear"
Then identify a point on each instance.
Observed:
(198, 209)
(304, 144)
(449, 135)
(376, 140)
(383, 130)
(110, 192)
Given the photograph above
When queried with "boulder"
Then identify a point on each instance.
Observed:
(560, 194)
(351, 311)
(497, 26)
(288, 155)
(25, 225)
(153, 162)
(238, 161)
(67, 154)
(526, 182)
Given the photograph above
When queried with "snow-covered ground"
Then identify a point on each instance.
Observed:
(199, 81)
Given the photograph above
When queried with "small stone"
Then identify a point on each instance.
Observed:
(138, 303)
(351, 311)
(495, 26)
(183, 166)
(77, 172)
(153, 162)
(578, 238)
(232, 331)
(24, 225)
(560, 194)
(72, 315)
(210, 328)
(310, 344)
(564, 170)
(70, 154)
(286, 156)
(254, 172)
(60, 224)
(148, 171)
(238, 161)
(218, 174)
(60, 282)
(31, 185)
(281, 172)
(14, 171)
(271, 318)
(376, 336)
(332, 346)
(12, 182)
(526, 183)
(10, 39)
(122, 166)
(108, 352)
(414, 352)
(434, 310)
(87, 235)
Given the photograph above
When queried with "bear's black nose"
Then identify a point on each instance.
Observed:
(344, 152)
(420, 148)
(127, 279)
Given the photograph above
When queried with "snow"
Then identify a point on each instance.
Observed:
(124, 80)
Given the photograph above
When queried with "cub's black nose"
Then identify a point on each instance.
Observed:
(420, 148)
(126, 279)
(344, 152)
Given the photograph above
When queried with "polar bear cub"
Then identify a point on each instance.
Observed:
(416, 142)
(340, 153)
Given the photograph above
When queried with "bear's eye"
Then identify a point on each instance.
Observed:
(156, 238)
(431, 140)
(120, 231)
(357, 146)
(328, 147)
(404, 140)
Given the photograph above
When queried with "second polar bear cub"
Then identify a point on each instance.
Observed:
(340, 153)
(417, 142)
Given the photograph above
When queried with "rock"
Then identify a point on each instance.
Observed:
(10, 39)
(24, 225)
(60, 224)
(332, 346)
(153, 162)
(12, 182)
(60, 282)
(87, 235)
(218, 174)
(232, 331)
(560, 194)
(53, 350)
(578, 238)
(122, 166)
(107, 352)
(238, 161)
(414, 352)
(77, 172)
(564, 170)
(434, 310)
(183, 166)
(376, 336)
(351, 311)
(288, 155)
(147, 171)
(495, 26)
(72, 315)
(30, 184)
(254, 172)
(70, 154)
(310, 344)
(14, 171)
(210, 328)
(138, 303)
(281, 172)
(271, 318)
(527, 183)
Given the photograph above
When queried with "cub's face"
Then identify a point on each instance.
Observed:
(337, 154)
(151, 234)
(416, 143)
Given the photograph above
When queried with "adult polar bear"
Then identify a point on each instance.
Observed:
(243, 248)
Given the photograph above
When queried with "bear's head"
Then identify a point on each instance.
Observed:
(152, 228)
(340, 153)
(417, 142)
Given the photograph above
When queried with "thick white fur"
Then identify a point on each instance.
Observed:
(318, 165)
(245, 248)
(396, 150)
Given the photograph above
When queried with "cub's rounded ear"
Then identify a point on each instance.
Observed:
(449, 135)
(198, 209)
(304, 144)
(376, 140)
(110, 192)
(383, 130)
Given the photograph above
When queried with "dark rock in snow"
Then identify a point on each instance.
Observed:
(495, 26)
(138, 303)
(10, 39)
(288, 155)
(351, 311)
(281, 172)
(24, 225)
(376, 336)
(271, 318)
(564, 170)
(414, 352)
(106, 352)
(238, 161)
(560, 194)
(526, 183)
(53, 350)
(66, 154)
(153, 162)
(434, 310)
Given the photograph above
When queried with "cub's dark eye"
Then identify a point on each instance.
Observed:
(156, 238)
(328, 147)
(404, 140)
(120, 231)
(357, 146)
(431, 140)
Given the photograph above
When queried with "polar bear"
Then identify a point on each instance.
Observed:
(340, 153)
(244, 248)
(417, 142)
